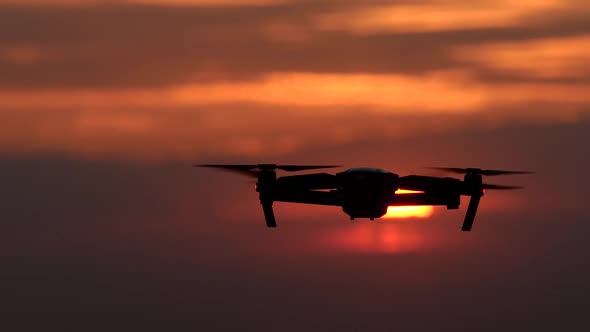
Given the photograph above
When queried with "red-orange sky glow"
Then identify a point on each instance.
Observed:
(357, 84)
(106, 105)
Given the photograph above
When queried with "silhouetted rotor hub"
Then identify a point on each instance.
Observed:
(266, 185)
(474, 183)
(265, 167)
(267, 176)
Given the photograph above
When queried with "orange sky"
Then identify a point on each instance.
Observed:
(82, 88)
(198, 80)
(194, 81)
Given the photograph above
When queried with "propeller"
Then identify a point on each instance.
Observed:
(499, 187)
(264, 173)
(475, 187)
(246, 170)
(254, 170)
(486, 172)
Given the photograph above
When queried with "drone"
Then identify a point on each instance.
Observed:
(367, 192)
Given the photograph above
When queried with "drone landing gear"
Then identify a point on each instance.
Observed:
(471, 211)
(473, 186)
(266, 188)
(269, 214)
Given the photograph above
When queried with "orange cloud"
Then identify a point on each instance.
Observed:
(438, 16)
(207, 3)
(540, 58)
(444, 92)
(278, 114)
(447, 92)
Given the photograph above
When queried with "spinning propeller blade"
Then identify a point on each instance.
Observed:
(264, 173)
(295, 168)
(499, 187)
(486, 172)
(246, 170)
(253, 170)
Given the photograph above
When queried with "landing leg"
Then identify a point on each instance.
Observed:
(269, 214)
(471, 211)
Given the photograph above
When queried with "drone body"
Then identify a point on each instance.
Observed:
(366, 192)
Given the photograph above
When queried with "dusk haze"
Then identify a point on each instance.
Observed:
(105, 106)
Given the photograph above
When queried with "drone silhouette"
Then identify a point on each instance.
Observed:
(367, 192)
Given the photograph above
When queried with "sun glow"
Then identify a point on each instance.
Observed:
(383, 238)
(408, 211)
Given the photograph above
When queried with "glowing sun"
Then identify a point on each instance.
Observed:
(408, 211)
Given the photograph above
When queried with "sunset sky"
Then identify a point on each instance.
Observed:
(105, 105)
